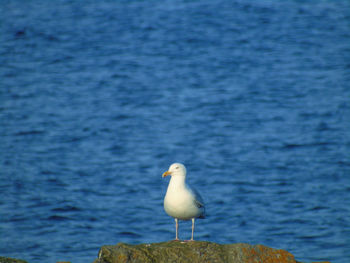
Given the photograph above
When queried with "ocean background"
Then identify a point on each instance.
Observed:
(98, 98)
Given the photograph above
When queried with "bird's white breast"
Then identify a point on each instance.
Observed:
(179, 202)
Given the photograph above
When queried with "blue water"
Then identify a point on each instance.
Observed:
(98, 98)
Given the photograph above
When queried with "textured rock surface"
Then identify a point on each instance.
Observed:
(11, 260)
(198, 251)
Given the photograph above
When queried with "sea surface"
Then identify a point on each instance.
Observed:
(98, 98)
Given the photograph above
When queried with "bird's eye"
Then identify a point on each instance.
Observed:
(177, 167)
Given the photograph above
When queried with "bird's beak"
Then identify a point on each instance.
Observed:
(166, 173)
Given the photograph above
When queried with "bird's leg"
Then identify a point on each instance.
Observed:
(192, 229)
(177, 228)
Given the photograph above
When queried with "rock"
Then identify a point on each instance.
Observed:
(197, 251)
(11, 260)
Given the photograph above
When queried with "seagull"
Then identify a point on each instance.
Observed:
(181, 201)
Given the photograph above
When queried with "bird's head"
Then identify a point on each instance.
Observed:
(176, 169)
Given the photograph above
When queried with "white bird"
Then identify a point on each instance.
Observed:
(181, 201)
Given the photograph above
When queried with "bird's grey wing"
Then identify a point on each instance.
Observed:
(198, 200)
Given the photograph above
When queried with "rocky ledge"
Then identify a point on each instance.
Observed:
(196, 251)
(11, 260)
